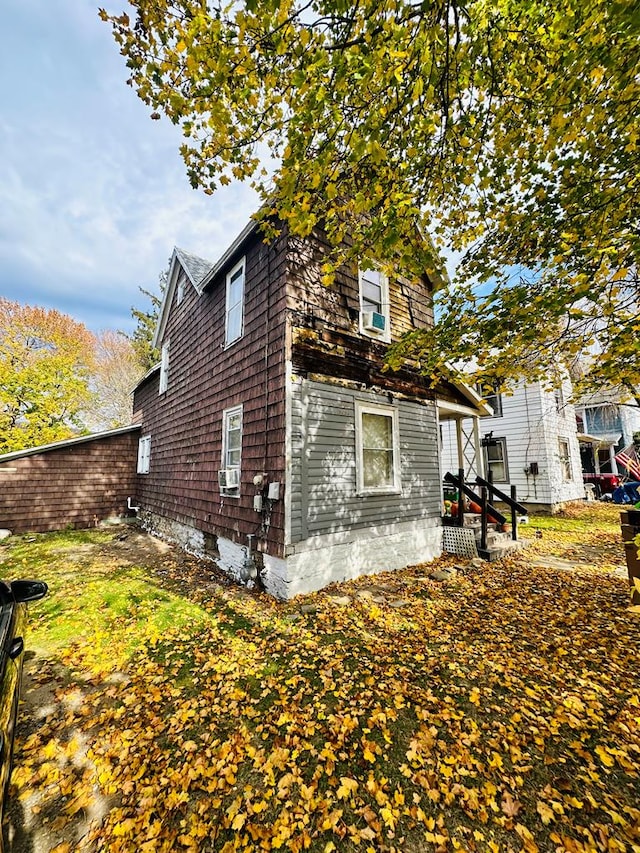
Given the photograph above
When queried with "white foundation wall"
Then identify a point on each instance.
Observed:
(322, 560)
(187, 537)
(230, 557)
(318, 561)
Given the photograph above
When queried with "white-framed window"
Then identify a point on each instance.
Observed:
(229, 476)
(494, 399)
(375, 316)
(234, 312)
(182, 281)
(377, 449)
(558, 395)
(164, 368)
(565, 458)
(495, 460)
(144, 454)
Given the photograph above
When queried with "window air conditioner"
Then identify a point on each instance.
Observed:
(229, 478)
(373, 322)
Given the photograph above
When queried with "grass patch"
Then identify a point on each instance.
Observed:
(497, 711)
(95, 603)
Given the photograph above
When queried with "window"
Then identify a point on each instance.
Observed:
(231, 451)
(374, 304)
(377, 449)
(492, 397)
(559, 399)
(182, 280)
(164, 368)
(144, 454)
(565, 458)
(495, 458)
(495, 401)
(235, 304)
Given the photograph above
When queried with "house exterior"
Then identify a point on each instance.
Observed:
(271, 436)
(530, 441)
(607, 420)
(79, 482)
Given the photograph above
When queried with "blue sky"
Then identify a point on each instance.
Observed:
(93, 194)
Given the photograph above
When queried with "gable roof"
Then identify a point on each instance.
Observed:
(471, 403)
(196, 268)
(200, 273)
(605, 396)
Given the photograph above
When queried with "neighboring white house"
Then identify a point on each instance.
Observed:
(607, 421)
(531, 442)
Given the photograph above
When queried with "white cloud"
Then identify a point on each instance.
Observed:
(94, 194)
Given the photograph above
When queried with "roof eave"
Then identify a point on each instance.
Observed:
(67, 442)
(250, 228)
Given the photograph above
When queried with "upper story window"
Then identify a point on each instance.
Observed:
(229, 475)
(144, 454)
(559, 399)
(495, 401)
(604, 418)
(377, 449)
(234, 313)
(164, 368)
(375, 317)
(492, 397)
(182, 281)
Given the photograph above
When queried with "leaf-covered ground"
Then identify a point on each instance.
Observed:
(168, 710)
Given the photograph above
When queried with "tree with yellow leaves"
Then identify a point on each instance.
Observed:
(507, 130)
(46, 359)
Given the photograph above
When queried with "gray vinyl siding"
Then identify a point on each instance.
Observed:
(323, 462)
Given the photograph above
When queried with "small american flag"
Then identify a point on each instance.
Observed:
(628, 459)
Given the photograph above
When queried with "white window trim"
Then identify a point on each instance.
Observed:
(565, 459)
(386, 308)
(230, 274)
(505, 459)
(144, 454)
(362, 408)
(181, 287)
(164, 368)
(226, 414)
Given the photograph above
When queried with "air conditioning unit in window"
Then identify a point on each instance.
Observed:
(229, 478)
(373, 322)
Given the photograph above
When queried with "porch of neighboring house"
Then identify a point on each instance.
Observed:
(598, 452)
(484, 523)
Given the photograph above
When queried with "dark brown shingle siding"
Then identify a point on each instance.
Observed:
(72, 486)
(185, 423)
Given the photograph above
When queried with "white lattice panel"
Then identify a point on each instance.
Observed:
(460, 541)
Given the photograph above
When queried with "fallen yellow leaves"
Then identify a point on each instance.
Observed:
(500, 713)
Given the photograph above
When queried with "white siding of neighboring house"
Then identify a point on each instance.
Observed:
(630, 418)
(531, 426)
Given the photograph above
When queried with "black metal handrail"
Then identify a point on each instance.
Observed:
(510, 500)
(459, 483)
